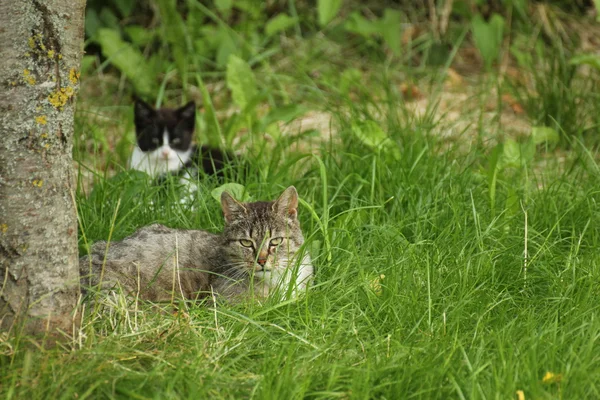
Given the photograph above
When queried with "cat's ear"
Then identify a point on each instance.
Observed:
(287, 203)
(188, 111)
(143, 110)
(232, 209)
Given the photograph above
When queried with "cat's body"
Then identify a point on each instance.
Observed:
(164, 143)
(257, 254)
(154, 263)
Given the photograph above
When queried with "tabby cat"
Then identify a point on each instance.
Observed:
(257, 254)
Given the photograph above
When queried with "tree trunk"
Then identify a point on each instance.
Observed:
(40, 53)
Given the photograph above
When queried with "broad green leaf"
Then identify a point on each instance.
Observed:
(235, 189)
(516, 154)
(241, 81)
(209, 120)
(488, 36)
(390, 28)
(284, 114)
(527, 151)
(541, 134)
(597, 7)
(371, 134)
(511, 153)
(127, 59)
(497, 24)
(279, 23)
(327, 10)
(139, 35)
(593, 60)
(358, 24)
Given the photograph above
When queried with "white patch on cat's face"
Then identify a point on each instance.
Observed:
(161, 160)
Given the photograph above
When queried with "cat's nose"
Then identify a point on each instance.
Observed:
(165, 153)
(261, 261)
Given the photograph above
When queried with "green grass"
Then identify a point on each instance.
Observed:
(456, 316)
(491, 269)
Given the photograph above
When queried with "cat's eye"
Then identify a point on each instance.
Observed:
(176, 141)
(276, 241)
(246, 243)
(155, 140)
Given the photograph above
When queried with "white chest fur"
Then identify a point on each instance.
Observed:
(293, 280)
(159, 161)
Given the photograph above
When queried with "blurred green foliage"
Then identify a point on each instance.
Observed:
(191, 42)
(202, 35)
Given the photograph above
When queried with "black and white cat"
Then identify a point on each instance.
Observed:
(165, 143)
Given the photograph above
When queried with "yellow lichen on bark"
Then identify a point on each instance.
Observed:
(74, 76)
(27, 77)
(59, 97)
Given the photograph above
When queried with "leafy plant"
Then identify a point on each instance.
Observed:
(127, 59)
(279, 23)
(488, 37)
(593, 60)
(388, 28)
(327, 10)
(241, 82)
(238, 191)
(511, 158)
(370, 134)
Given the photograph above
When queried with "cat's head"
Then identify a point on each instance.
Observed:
(264, 236)
(165, 134)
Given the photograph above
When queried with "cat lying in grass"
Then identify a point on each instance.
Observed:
(165, 145)
(258, 254)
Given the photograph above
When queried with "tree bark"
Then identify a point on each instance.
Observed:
(41, 45)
